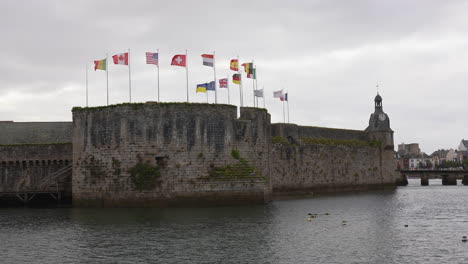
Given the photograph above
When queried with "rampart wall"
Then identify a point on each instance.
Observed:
(297, 132)
(35, 132)
(159, 154)
(24, 167)
(315, 159)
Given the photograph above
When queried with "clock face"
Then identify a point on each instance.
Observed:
(382, 117)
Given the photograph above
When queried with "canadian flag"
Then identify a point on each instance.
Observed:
(179, 60)
(121, 58)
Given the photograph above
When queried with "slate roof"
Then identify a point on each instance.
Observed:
(465, 143)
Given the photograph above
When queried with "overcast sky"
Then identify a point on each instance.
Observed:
(329, 56)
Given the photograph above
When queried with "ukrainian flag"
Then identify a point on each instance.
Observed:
(201, 88)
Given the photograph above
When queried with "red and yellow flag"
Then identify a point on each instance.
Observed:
(235, 65)
(100, 65)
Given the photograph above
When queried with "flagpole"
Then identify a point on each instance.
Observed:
(253, 84)
(214, 71)
(86, 85)
(229, 100)
(129, 78)
(240, 83)
(288, 107)
(256, 84)
(264, 97)
(207, 96)
(284, 117)
(186, 71)
(158, 75)
(107, 76)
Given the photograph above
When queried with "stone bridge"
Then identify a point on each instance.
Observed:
(449, 177)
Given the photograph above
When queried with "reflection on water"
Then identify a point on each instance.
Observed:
(373, 232)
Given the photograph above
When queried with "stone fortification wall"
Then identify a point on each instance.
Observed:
(297, 132)
(24, 167)
(158, 154)
(327, 166)
(35, 132)
(315, 159)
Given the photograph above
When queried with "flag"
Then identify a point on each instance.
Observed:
(121, 58)
(208, 60)
(211, 86)
(278, 94)
(179, 60)
(236, 78)
(248, 67)
(100, 65)
(234, 65)
(252, 75)
(223, 83)
(152, 58)
(258, 93)
(202, 88)
(284, 97)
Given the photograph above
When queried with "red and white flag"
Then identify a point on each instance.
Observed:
(179, 60)
(208, 59)
(121, 58)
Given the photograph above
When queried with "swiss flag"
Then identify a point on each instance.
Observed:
(121, 58)
(179, 60)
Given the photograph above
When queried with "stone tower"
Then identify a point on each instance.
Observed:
(379, 125)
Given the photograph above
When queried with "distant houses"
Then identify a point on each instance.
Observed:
(410, 157)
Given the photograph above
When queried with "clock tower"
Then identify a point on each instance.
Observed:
(379, 125)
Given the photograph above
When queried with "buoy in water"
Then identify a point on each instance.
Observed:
(312, 216)
(464, 240)
(406, 225)
(309, 219)
(327, 214)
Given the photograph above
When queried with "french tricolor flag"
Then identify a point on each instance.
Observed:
(208, 59)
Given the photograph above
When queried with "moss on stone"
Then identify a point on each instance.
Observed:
(335, 142)
(241, 170)
(95, 168)
(144, 176)
(235, 154)
(279, 140)
(140, 105)
(116, 170)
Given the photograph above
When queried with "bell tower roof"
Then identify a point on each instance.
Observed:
(379, 120)
(378, 100)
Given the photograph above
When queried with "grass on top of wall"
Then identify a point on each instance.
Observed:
(139, 105)
(333, 128)
(330, 142)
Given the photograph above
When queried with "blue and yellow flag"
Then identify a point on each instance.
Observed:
(202, 88)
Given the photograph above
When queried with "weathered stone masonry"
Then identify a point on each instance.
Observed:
(30, 152)
(313, 159)
(163, 154)
(199, 152)
(174, 153)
